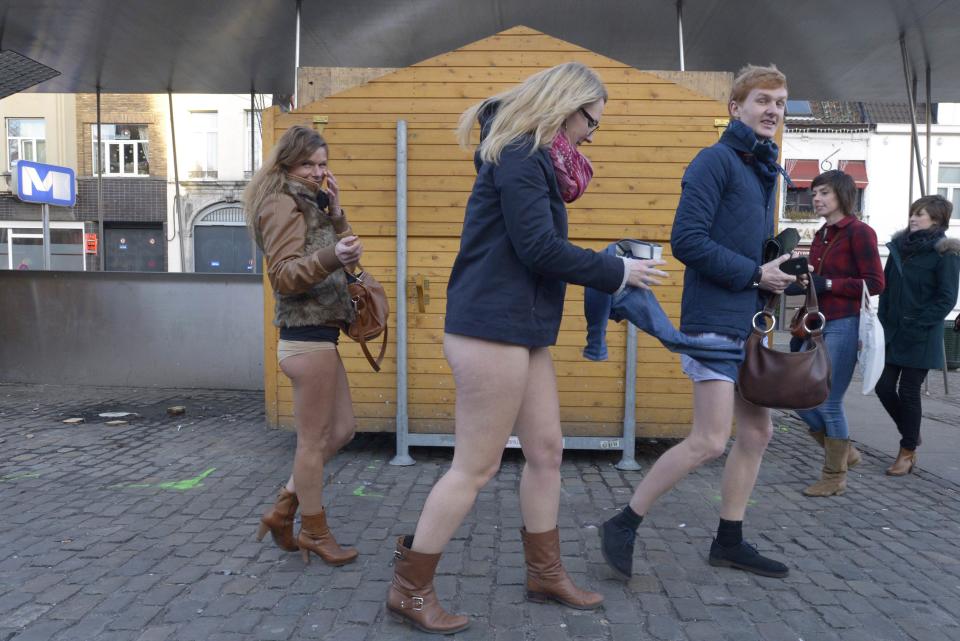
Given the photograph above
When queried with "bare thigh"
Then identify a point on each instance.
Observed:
(538, 422)
(315, 381)
(491, 380)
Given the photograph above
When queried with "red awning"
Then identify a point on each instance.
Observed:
(856, 169)
(802, 172)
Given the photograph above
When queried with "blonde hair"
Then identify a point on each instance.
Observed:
(296, 145)
(754, 77)
(538, 106)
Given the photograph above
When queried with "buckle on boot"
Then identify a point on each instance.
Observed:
(418, 603)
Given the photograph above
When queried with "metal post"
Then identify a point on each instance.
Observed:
(627, 461)
(403, 421)
(912, 98)
(929, 91)
(101, 244)
(296, 57)
(253, 169)
(683, 66)
(178, 222)
(45, 216)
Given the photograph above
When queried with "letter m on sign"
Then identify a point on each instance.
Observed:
(45, 184)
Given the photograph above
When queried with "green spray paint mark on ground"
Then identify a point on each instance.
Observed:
(360, 491)
(187, 484)
(16, 476)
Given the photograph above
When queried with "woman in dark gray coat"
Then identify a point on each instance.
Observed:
(922, 275)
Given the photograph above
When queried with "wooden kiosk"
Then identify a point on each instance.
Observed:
(653, 125)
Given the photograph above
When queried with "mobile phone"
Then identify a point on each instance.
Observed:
(795, 266)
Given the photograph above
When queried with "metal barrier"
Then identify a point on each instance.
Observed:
(132, 329)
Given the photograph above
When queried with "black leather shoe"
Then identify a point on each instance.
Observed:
(616, 545)
(746, 557)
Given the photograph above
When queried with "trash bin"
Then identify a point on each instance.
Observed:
(951, 345)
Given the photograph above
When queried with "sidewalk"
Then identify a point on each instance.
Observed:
(145, 531)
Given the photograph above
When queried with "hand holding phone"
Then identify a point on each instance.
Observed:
(795, 266)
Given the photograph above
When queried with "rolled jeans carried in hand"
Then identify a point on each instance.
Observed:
(640, 307)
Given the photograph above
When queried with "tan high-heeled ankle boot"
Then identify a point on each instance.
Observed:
(278, 520)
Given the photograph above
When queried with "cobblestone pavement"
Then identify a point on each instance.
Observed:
(145, 531)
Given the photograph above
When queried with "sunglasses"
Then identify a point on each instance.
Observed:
(591, 123)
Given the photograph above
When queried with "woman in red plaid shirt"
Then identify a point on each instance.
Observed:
(843, 255)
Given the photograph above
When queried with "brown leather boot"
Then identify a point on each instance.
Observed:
(411, 597)
(316, 537)
(834, 478)
(546, 578)
(853, 454)
(279, 521)
(906, 459)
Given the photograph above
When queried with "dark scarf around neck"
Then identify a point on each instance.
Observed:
(761, 153)
(918, 242)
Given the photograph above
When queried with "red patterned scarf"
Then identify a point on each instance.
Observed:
(573, 169)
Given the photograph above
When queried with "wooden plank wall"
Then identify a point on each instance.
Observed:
(650, 131)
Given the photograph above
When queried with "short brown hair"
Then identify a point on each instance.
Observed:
(842, 185)
(938, 208)
(753, 77)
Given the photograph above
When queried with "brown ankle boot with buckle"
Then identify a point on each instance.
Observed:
(833, 481)
(316, 537)
(279, 521)
(853, 454)
(906, 459)
(546, 578)
(411, 597)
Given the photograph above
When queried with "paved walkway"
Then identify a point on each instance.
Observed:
(144, 531)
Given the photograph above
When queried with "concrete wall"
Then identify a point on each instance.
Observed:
(132, 329)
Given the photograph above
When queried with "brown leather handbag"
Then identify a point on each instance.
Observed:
(786, 380)
(371, 312)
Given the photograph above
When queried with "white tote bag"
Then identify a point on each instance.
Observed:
(870, 352)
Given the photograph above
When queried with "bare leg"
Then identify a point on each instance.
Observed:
(754, 430)
(538, 428)
(490, 379)
(314, 377)
(713, 405)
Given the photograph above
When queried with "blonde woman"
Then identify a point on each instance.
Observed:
(504, 306)
(303, 233)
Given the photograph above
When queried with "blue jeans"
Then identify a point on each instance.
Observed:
(841, 336)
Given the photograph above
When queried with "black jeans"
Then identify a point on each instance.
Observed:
(903, 404)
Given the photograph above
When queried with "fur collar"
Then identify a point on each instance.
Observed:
(948, 246)
(301, 186)
(945, 245)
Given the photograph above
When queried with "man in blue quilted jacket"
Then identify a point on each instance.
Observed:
(726, 212)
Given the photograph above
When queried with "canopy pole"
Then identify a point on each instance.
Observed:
(683, 66)
(101, 245)
(253, 169)
(296, 56)
(912, 99)
(929, 163)
(178, 223)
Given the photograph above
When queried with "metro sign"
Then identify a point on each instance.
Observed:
(35, 182)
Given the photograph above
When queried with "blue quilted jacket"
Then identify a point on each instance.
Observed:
(724, 216)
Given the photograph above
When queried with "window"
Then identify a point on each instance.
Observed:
(249, 168)
(21, 246)
(948, 183)
(222, 244)
(125, 150)
(799, 108)
(26, 140)
(798, 204)
(203, 144)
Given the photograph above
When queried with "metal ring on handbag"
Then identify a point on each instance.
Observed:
(823, 322)
(766, 314)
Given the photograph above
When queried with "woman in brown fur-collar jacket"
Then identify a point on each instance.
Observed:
(307, 243)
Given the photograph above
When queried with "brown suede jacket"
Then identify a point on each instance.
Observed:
(298, 240)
